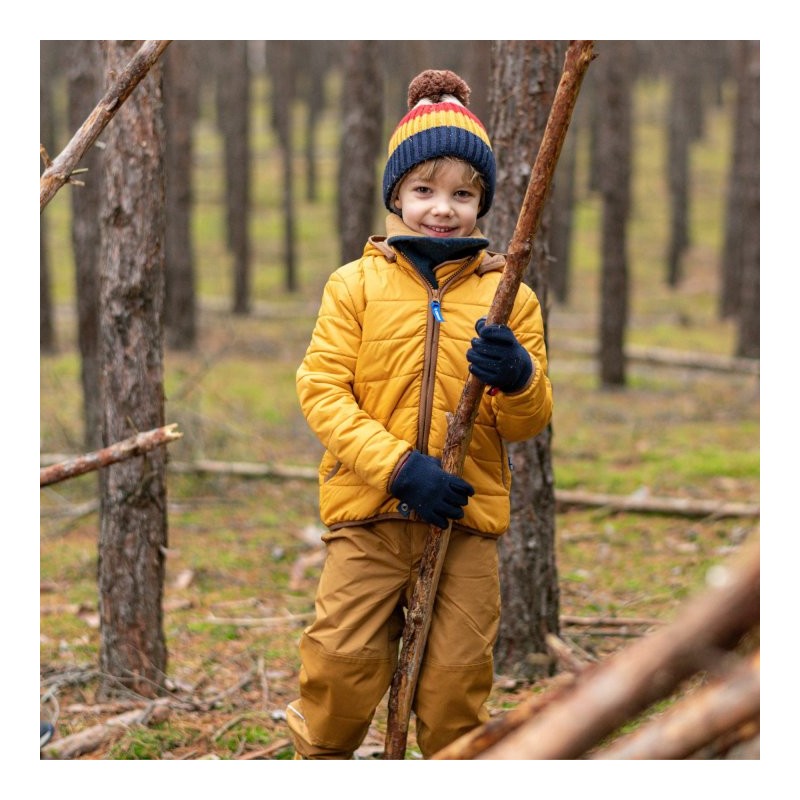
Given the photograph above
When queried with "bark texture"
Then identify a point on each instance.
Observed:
(360, 146)
(525, 76)
(614, 74)
(85, 84)
(180, 107)
(133, 518)
(748, 344)
(233, 119)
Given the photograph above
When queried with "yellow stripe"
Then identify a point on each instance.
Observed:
(436, 119)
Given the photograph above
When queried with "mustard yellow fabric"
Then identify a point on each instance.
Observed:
(380, 377)
(349, 653)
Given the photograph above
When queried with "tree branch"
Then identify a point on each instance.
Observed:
(59, 171)
(120, 451)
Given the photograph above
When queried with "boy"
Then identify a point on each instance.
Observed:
(387, 362)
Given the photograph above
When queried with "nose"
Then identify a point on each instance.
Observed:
(443, 208)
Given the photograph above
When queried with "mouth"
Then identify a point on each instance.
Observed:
(439, 230)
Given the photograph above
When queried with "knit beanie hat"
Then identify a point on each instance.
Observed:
(438, 124)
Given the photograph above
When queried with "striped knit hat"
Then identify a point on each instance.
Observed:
(438, 124)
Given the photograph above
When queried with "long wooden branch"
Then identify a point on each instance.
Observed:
(695, 721)
(614, 691)
(459, 432)
(59, 171)
(119, 451)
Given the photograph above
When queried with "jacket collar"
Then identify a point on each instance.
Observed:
(395, 226)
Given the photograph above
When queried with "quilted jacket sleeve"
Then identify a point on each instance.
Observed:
(526, 413)
(325, 389)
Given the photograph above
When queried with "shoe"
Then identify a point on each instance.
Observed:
(46, 731)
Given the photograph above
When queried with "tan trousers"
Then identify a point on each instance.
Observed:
(350, 651)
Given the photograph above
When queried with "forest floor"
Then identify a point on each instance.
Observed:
(244, 554)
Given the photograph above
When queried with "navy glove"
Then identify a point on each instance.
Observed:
(498, 359)
(423, 486)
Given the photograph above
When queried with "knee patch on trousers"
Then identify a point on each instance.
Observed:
(339, 695)
(449, 702)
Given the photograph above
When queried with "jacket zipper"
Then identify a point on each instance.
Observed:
(431, 342)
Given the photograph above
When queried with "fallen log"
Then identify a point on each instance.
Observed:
(565, 498)
(681, 506)
(614, 691)
(90, 739)
(697, 720)
(659, 356)
(477, 741)
(120, 451)
(59, 171)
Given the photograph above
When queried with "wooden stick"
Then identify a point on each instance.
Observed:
(134, 446)
(459, 430)
(90, 739)
(614, 691)
(697, 720)
(59, 171)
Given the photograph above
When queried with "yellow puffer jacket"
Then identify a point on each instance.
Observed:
(380, 377)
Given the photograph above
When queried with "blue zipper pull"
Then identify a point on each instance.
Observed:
(436, 308)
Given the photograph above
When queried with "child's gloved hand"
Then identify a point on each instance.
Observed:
(498, 359)
(423, 486)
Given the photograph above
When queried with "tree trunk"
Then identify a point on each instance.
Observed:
(180, 107)
(282, 74)
(736, 219)
(679, 133)
(233, 119)
(360, 144)
(85, 89)
(47, 330)
(561, 224)
(133, 511)
(525, 76)
(749, 176)
(314, 58)
(614, 81)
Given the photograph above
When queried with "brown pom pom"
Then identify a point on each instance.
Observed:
(433, 83)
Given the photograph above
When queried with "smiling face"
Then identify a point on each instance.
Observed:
(440, 199)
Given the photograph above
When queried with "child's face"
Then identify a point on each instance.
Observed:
(443, 205)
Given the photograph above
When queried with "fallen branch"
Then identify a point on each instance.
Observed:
(657, 505)
(259, 622)
(565, 655)
(120, 451)
(90, 739)
(59, 171)
(614, 691)
(245, 470)
(567, 619)
(495, 730)
(695, 721)
(565, 498)
(670, 358)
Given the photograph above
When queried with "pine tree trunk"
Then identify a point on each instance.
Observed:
(233, 119)
(614, 74)
(749, 327)
(525, 76)
(133, 518)
(180, 107)
(47, 330)
(86, 87)
(360, 144)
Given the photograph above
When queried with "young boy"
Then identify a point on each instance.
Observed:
(388, 359)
